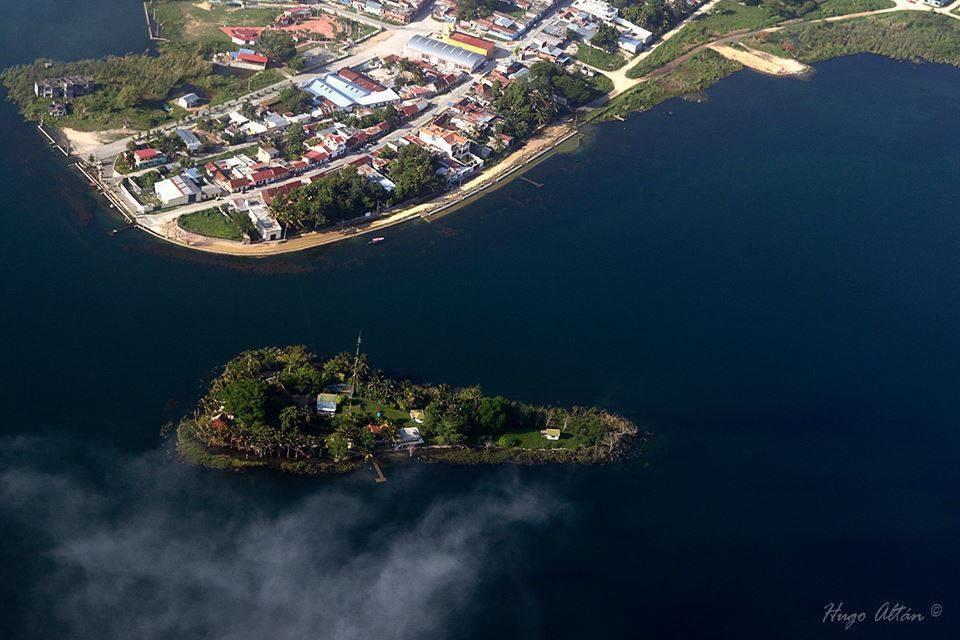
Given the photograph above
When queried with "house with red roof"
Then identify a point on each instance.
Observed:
(147, 157)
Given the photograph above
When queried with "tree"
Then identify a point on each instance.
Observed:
(493, 415)
(337, 446)
(330, 199)
(277, 45)
(297, 63)
(246, 399)
(292, 419)
(414, 172)
(293, 140)
(605, 37)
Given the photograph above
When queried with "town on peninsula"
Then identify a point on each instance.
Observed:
(254, 128)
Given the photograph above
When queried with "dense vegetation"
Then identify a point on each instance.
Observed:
(131, 89)
(732, 16)
(414, 171)
(904, 35)
(538, 98)
(346, 194)
(470, 9)
(333, 198)
(276, 45)
(262, 407)
(697, 73)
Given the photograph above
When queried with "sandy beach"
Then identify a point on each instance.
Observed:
(761, 60)
(83, 143)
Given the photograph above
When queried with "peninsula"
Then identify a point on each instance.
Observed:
(267, 130)
(287, 409)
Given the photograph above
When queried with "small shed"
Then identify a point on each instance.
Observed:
(417, 415)
(188, 101)
(551, 434)
(327, 402)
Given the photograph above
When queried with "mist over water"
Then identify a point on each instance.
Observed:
(149, 549)
(767, 281)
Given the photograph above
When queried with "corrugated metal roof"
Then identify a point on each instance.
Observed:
(446, 51)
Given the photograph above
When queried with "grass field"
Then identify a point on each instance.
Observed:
(729, 16)
(598, 58)
(909, 35)
(211, 223)
(194, 22)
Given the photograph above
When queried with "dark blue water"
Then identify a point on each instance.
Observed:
(767, 281)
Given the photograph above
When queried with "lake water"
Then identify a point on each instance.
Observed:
(767, 280)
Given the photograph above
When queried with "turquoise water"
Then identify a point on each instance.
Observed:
(766, 280)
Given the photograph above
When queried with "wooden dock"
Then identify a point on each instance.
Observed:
(378, 471)
(536, 184)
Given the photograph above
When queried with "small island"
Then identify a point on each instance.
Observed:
(287, 409)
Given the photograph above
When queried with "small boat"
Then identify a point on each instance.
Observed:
(377, 240)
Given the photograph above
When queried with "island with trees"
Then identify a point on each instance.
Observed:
(287, 409)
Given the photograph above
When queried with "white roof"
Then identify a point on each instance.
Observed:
(261, 217)
(175, 187)
(345, 94)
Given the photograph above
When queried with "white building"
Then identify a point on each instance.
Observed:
(177, 190)
(188, 101)
(266, 225)
(344, 95)
(190, 140)
(597, 8)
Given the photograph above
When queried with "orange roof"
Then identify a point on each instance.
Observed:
(473, 41)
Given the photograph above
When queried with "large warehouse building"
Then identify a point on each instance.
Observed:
(443, 55)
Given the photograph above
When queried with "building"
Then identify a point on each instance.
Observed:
(247, 59)
(449, 142)
(190, 140)
(417, 415)
(269, 230)
(486, 48)
(551, 434)
(188, 101)
(147, 157)
(327, 403)
(177, 190)
(443, 55)
(243, 35)
(347, 89)
(63, 87)
(267, 152)
(408, 437)
(597, 8)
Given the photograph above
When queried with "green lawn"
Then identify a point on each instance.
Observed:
(211, 223)
(189, 22)
(533, 440)
(599, 58)
(370, 408)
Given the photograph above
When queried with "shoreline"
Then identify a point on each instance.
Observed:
(534, 151)
(732, 48)
(192, 451)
